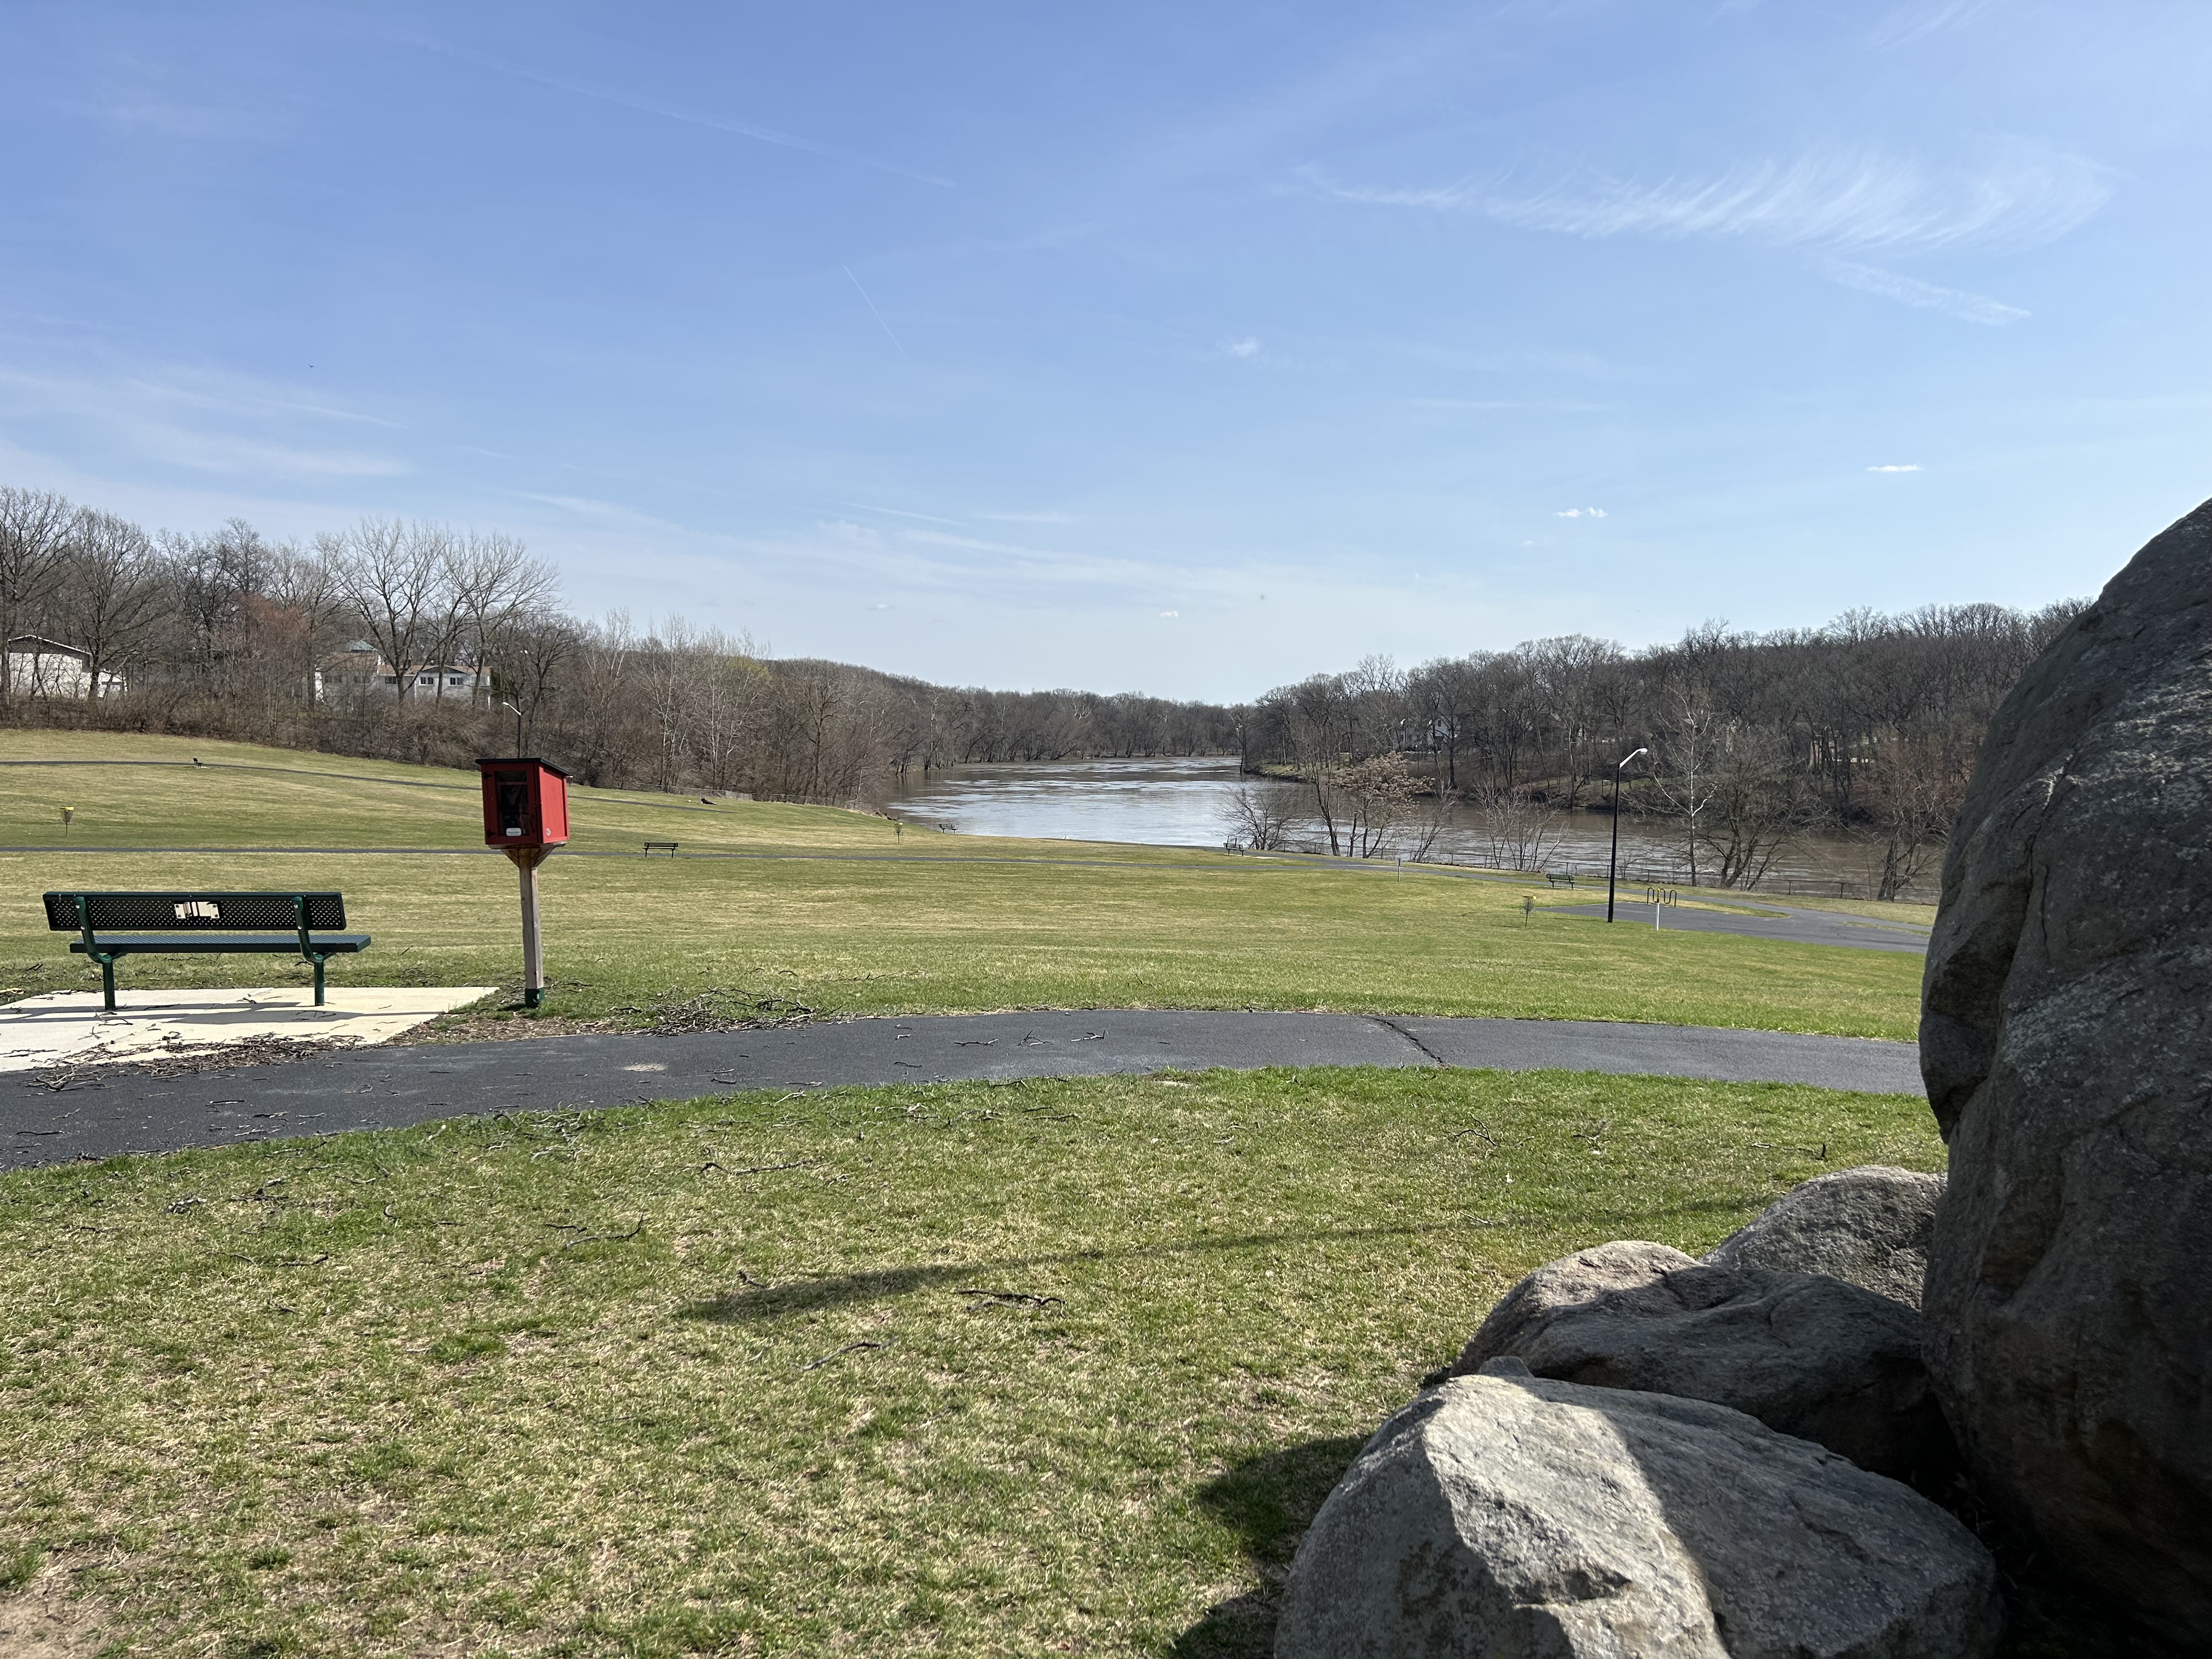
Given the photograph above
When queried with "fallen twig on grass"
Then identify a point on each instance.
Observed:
(759, 1169)
(593, 1238)
(850, 1347)
(720, 1008)
(1016, 1299)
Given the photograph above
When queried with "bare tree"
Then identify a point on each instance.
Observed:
(1761, 800)
(492, 583)
(1373, 796)
(529, 661)
(1519, 832)
(1911, 797)
(34, 541)
(1682, 772)
(113, 596)
(1426, 821)
(728, 712)
(392, 575)
(1259, 818)
(306, 597)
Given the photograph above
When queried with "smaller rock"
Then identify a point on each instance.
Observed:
(1805, 1354)
(1497, 1515)
(1868, 1226)
(1572, 1280)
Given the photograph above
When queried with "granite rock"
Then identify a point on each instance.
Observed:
(1868, 1226)
(2066, 1039)
(1805, 1354)
(1505, 1514)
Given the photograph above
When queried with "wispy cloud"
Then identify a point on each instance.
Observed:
(1247, 347)
(172, 119)
(212, 391)
(1526, 405)
(205, 419)
(1027, 517)
(675, 113)
(2024, 196)
(608, 512)
(899, 512)
(1581, 513)
(213, 451)
(1928, 297)
(1916, 21)
(1910, 467)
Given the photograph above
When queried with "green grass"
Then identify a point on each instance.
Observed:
(842, 916)
(1019, 1368)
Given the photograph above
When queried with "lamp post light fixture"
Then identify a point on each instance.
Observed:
(1612, 864)
(517, 712)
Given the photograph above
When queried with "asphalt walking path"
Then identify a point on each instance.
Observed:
(1796, 923)
(93, 1111)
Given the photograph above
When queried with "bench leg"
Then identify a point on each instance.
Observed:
(318, 981)
(108, 980)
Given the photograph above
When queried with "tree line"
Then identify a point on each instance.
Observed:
(415, 640)
(1868, 726)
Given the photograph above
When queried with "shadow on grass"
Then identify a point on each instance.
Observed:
(756, 1301)
(767, 1301)
(1269, 1500)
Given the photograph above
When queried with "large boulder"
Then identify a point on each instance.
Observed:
(2066, 1039)
(1509, 1515)
(1805, 1354)
(1868, 1226)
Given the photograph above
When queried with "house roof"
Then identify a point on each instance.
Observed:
(36, 645)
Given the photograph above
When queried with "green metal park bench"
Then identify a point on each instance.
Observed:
(276, 924)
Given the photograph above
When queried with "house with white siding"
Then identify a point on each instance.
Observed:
(40, 667)
(360, 670)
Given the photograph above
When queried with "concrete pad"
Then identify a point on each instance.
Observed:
(73, 1028)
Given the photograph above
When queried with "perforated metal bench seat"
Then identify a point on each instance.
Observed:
(279, 924)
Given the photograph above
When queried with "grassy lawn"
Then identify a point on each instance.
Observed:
(835, 913)
(973, 1368)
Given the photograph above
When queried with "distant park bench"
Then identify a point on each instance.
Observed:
(667, 847)
(270, 924)
(1560, 877)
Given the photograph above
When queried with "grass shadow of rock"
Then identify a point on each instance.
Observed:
(1269, 1500)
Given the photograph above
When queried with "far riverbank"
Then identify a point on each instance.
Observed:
(1181, 802)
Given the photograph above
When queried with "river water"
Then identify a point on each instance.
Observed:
(1181, 802)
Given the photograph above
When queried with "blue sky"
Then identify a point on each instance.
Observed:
(1187, 349)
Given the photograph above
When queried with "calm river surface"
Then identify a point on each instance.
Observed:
(1181, 803)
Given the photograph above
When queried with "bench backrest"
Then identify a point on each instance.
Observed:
(188, 912)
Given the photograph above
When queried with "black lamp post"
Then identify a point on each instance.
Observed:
(1612, 864)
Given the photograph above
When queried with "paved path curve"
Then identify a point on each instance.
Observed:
(100, 1111)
